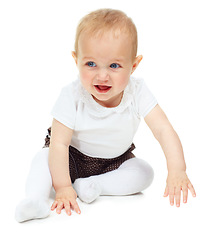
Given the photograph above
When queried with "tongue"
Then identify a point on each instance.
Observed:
(103, 87)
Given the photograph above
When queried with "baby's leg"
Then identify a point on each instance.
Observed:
(133, 176)
(38, 186)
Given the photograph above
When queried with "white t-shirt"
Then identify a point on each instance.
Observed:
(99, 131)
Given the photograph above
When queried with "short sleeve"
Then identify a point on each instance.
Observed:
(64, 109)
(145, 100)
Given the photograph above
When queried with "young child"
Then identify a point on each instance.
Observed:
(94, 121)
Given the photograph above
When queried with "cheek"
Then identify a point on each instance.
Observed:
(85, 75)
(123, 80)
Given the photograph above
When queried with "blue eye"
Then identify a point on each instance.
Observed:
(91, 64)
(115, 65)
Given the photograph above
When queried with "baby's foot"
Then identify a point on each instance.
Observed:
(87, 189)
(29, 209)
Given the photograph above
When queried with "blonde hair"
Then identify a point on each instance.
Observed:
(100, 21)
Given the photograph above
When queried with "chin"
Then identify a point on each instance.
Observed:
(101, 98)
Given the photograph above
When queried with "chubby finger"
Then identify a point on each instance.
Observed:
(171, 196)
(185, 193)
(166, 193)
(191, 188)
(177, 196)
(67, 207)
(54, 205)
(75, 206)
(59, 207)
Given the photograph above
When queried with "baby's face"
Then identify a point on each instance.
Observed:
(105, 65)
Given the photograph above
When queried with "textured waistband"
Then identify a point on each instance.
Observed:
(89, 158)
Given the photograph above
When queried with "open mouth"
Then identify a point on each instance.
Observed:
(102, 88)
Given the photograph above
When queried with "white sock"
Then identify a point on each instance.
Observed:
(87, 189)
(133, 176)
(38, 186)
(31, 208)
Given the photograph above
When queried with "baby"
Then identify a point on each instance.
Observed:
(95, 119)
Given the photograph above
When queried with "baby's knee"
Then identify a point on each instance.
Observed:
(43, 153)
(41, 156)
(142, 172)
(145, 169)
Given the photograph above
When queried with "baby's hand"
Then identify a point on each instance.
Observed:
(66, 198)
(176, 182)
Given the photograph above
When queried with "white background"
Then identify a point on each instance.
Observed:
(175, 39)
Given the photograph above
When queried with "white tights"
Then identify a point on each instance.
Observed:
(133, 176)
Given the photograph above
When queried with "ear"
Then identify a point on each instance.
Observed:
(136, 62)
(74, 56)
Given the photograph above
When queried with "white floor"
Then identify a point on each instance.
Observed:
(142, 216)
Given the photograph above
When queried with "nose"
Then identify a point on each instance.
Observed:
(103, 75)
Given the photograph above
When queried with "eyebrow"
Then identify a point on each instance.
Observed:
(113, 60)
(119, 59)
(88, 58)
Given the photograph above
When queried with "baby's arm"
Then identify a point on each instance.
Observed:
(177, 179)
(59, 168)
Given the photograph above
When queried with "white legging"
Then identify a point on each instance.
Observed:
(133, 176)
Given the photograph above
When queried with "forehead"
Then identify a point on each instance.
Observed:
(117, 45)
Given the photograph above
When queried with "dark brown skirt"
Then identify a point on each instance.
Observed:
(81, 165)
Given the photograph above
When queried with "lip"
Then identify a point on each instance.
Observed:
(102, 88)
